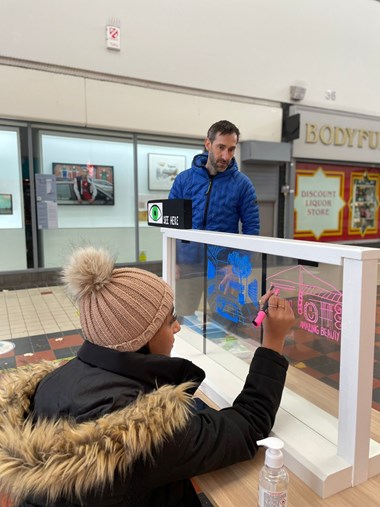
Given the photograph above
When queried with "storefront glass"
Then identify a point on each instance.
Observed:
(108, 219)
(158, 165)
(336, 203)
(12, 231)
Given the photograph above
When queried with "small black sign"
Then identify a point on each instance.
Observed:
(173, 213)
(291, 128)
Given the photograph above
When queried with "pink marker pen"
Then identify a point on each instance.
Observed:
(263, 312)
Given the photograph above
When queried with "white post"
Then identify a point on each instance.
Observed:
(168, 259)
(356, 364)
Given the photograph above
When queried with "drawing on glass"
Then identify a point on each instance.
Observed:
(163, 169)
(239, 302)
(83, 184)
(317, 302)
(6, 207)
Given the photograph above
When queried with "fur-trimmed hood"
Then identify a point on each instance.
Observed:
(62, 458)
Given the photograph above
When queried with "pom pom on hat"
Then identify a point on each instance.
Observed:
(120, 308)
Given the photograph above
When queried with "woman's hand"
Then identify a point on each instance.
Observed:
(280, 318)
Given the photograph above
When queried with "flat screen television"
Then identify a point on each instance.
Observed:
(6, 207)
(84, 184)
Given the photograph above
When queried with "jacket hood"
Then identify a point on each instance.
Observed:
(61, 458)
(200, 160)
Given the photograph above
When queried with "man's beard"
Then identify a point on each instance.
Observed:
(217, 164)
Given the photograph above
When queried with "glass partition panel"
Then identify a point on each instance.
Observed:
(217, 299)
(375, 413)
(12, 231)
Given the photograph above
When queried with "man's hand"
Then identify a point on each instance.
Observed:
(228, 276)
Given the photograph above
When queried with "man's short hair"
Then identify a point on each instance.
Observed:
(223, 127)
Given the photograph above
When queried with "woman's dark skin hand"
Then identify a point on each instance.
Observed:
(280, 318)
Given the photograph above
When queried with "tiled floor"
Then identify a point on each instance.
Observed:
(40, 324)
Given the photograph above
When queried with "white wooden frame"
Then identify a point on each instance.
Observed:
(336, 453)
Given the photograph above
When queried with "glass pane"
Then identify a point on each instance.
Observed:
(375, 419)
(216, 312)
(12, 230)
(158, 165)
(105, 217)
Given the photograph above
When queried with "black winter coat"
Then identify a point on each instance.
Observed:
(120, 428)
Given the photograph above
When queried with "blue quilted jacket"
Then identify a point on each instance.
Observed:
(219, 203)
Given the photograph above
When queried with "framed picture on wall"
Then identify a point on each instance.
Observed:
(6, 207)
(163, 169)
(80, 184)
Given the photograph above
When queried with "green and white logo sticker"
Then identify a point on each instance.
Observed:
(155, 213)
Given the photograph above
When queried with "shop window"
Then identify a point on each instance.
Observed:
(158, 165)
(95, 184)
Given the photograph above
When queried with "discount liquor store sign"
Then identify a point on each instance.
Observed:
(318, 203)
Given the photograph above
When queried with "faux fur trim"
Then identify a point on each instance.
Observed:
(52, 459)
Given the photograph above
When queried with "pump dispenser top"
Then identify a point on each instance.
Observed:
(273, 454)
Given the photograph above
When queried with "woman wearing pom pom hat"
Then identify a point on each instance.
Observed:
(117, 425)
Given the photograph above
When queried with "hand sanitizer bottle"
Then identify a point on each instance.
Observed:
(274, 478)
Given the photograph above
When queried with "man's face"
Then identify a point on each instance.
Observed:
(220, 152)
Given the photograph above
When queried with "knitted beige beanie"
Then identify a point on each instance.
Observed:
(120, 308)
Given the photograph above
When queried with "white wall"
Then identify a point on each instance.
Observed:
(251, 48)
(43, 96)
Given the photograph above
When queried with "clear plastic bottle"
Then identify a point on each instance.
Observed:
(274, 478)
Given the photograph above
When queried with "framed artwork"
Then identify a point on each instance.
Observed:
(163, 169)
(6, 207)
(84, 184)
(364, 203)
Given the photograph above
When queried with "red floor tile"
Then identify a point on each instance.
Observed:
(64, 342)
(334, 355)
(310, 371)
(36, 357)
(334, 376)
(8, 354)
(299, 352)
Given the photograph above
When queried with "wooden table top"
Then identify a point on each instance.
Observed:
(237, 485)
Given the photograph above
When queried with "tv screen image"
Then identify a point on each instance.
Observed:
(6, 204)
(84, 184)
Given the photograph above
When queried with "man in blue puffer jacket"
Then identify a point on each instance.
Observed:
(222, 197)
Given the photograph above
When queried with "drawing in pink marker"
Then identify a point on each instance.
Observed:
(319, 303)
(264, 311)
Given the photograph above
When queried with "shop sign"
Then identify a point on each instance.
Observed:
(337, 137)
(336, 203)
(173, 213)
(318, 203)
